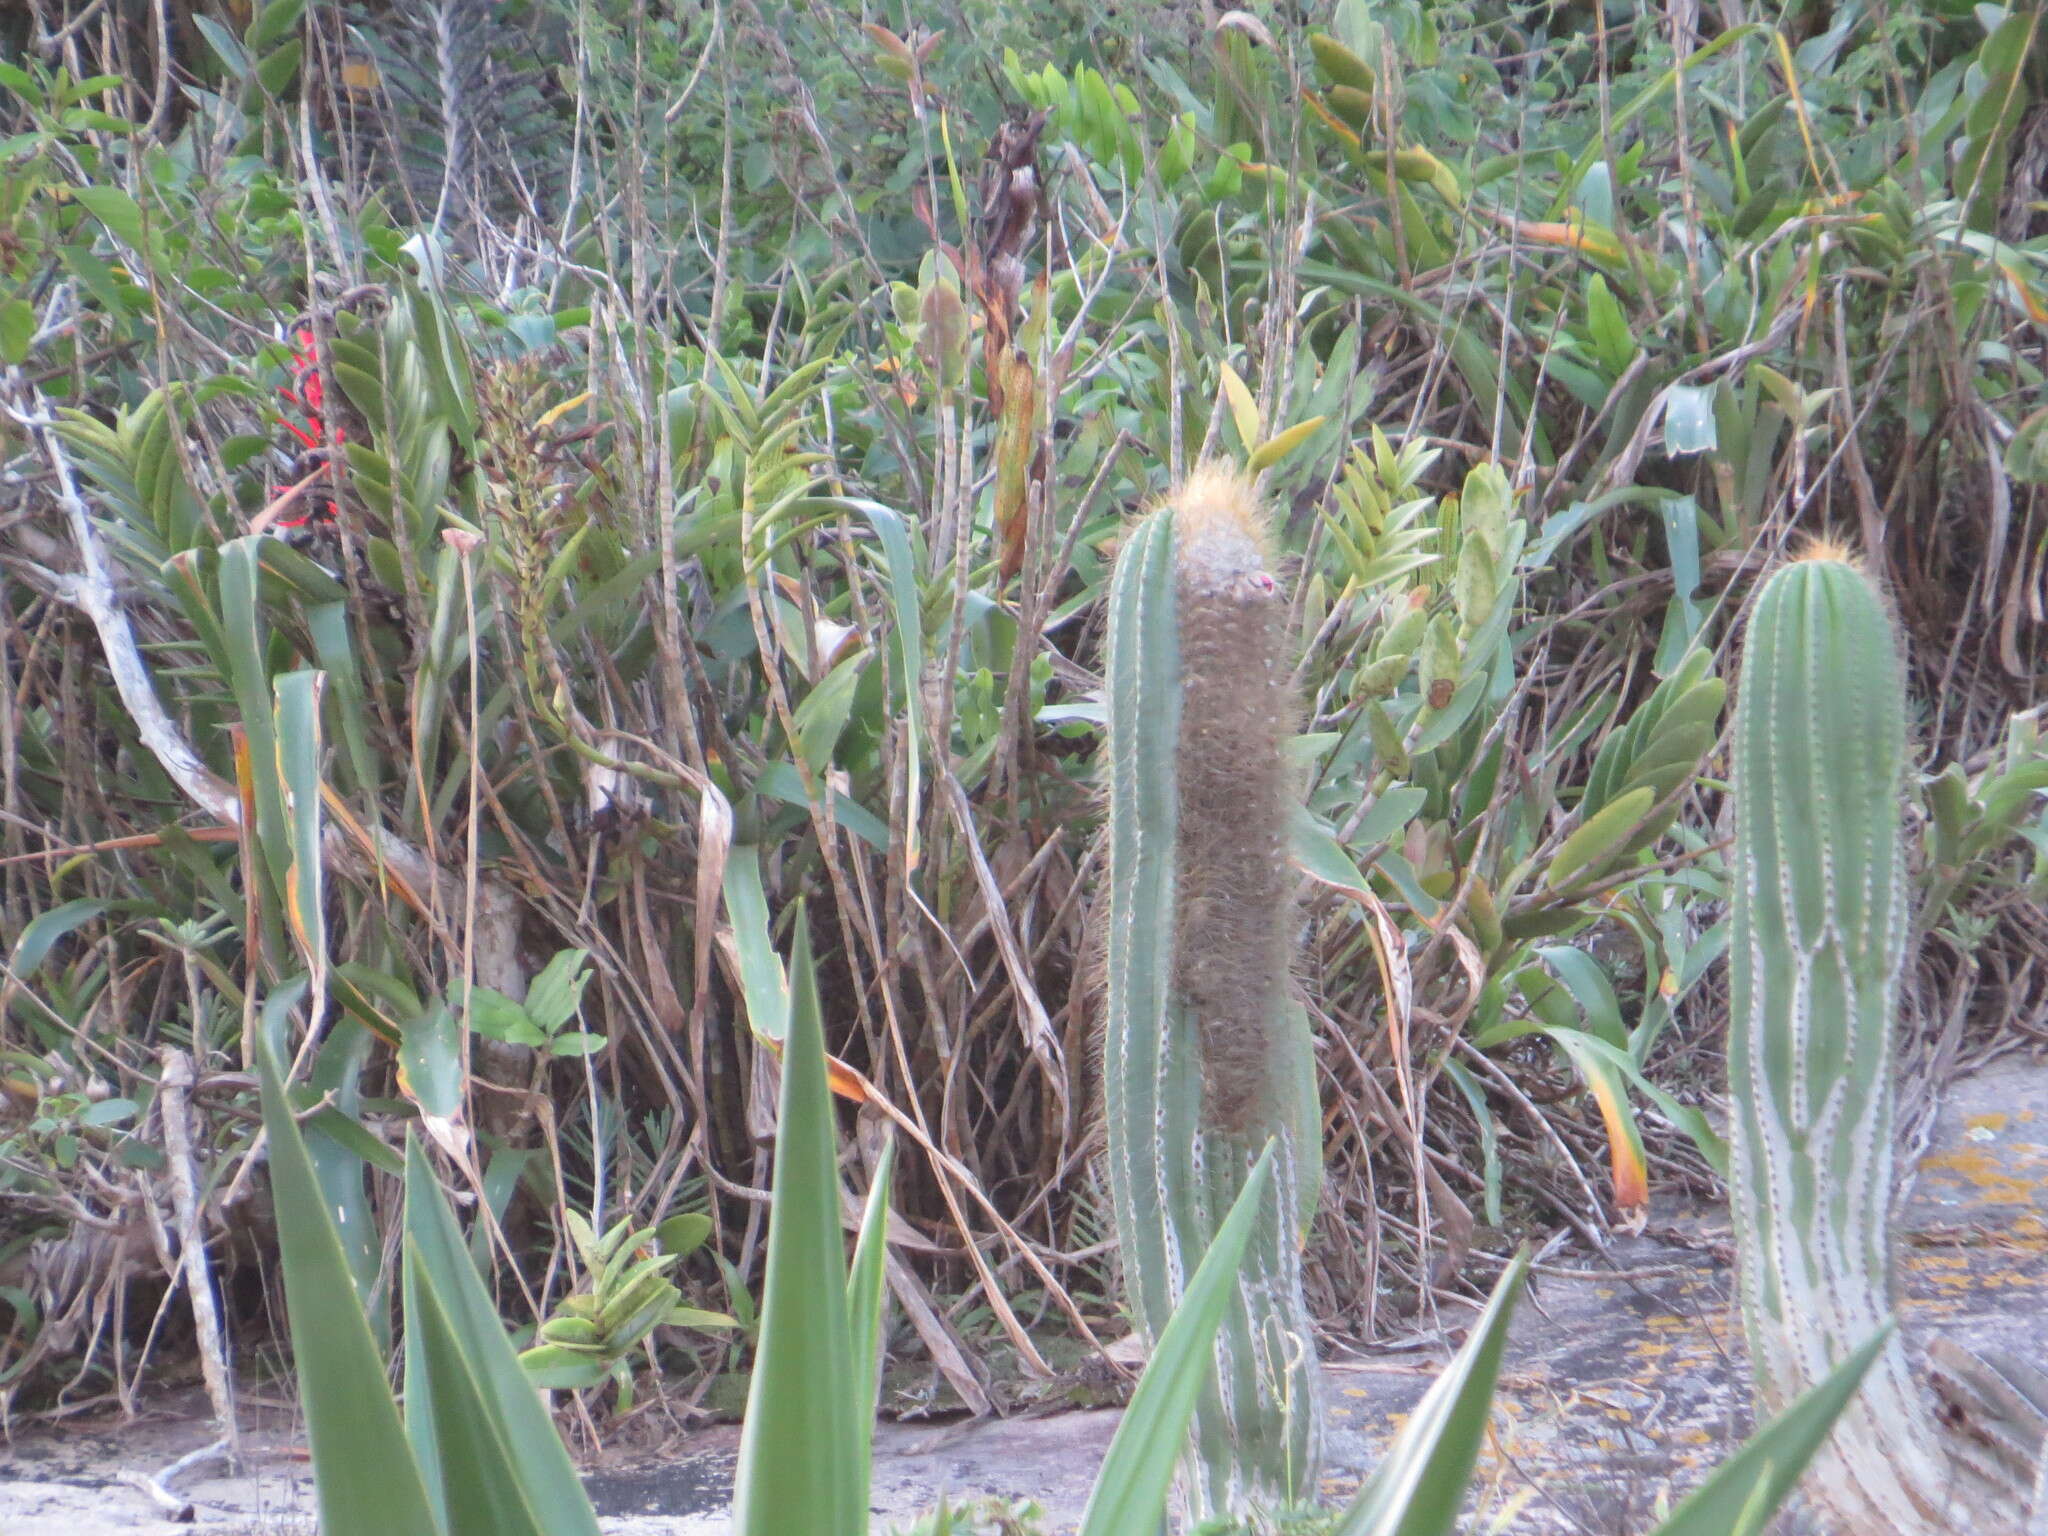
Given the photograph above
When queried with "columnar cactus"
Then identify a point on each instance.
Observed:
(1205, 1050)
(1820, 926)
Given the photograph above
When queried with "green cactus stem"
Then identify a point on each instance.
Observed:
(1205, 1049)
(1820, 925)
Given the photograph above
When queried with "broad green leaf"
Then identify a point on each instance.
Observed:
(108, 1112)
(1394, 809)
(1600, 836)
(46, 928)
(761, 979)
(697, 1317)
(305, 577)
(908, 634)
(225, 45)
(328, 624)
(2000, 99)
(1244, 410)
(22, 83)
(820, 718)
(1281, 444)
(1608, 322)
(780, 781)
(278, 67)
(1590, 988)
(1317, 853)
(271, 23)
(248, 635)
(1689, 419)
(562, 1368)
(587, 1247)
(17, 330)
(479, 1485)
(117, 210)
(431, 1056)
(493, 1014)
(555, 994)
(683, 1234)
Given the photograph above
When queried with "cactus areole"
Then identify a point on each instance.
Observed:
(1205, 1048)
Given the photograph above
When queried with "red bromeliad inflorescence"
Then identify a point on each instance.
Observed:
(307, 391)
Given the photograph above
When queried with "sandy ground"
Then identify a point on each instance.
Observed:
(1619, 1391)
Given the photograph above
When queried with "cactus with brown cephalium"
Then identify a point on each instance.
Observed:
(1205, 1048)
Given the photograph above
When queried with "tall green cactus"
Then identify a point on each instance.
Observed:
(1820, 927)
(1205, 1051)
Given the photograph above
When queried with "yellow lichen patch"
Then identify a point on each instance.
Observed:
(1938, 1261)
(1984, 1175)
(1959, 1280)
(1995, 1121)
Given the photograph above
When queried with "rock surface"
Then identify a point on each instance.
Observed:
(1622, 1386)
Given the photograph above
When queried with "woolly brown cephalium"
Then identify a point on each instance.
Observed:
(1238, 709)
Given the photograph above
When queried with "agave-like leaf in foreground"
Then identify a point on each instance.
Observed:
(799, 1441)
(864, 1299)
(485, 1439)
(1420, 1484)
(1130, 1491)
(1747, 1488)
(365, 1478)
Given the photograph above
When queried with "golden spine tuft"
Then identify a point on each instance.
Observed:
(1823, 546)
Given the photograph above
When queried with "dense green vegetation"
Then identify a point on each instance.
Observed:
(505, 508)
